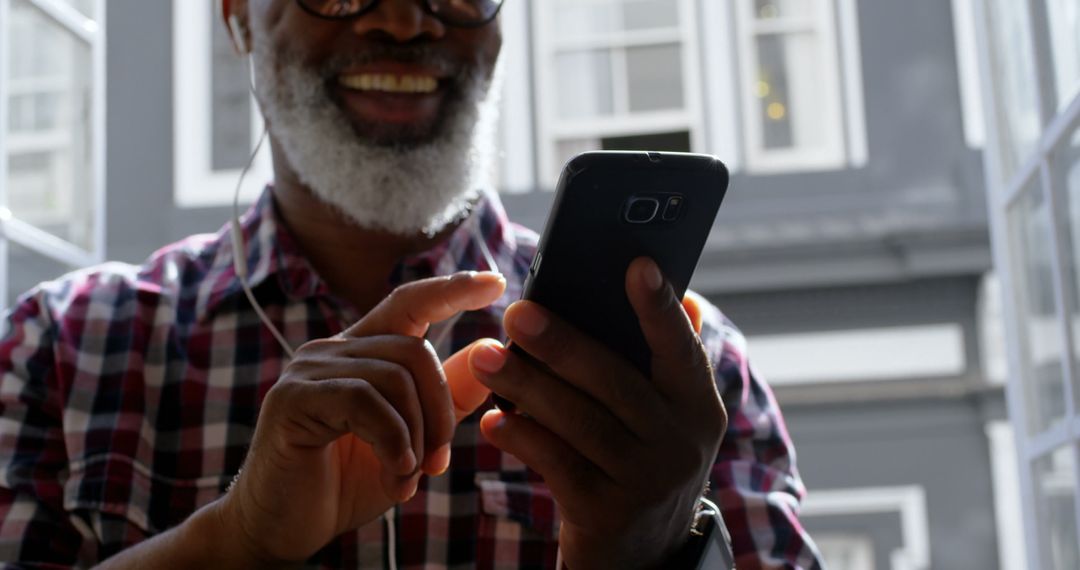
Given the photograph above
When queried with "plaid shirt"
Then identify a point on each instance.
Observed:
(129, 396)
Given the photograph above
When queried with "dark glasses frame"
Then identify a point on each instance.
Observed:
(428, 6)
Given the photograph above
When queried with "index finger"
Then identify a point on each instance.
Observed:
(412, 307)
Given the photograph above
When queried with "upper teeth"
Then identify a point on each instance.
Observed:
(390, 83)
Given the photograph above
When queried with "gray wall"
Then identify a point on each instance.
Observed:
(938, 443)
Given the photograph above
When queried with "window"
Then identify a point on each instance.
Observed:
(801, 86)
(52, 145)
(1030, 61)
(615, 75)
(216, 122)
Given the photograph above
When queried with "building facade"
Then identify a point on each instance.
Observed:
(854, 248)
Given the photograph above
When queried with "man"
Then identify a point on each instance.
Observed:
(150, 419)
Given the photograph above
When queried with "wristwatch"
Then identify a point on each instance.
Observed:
(709, 547)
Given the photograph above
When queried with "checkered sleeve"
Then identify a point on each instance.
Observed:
(754, 479)
(35, 530)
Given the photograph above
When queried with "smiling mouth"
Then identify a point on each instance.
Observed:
(390, 83)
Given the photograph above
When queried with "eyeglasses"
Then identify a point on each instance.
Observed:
(460, 13)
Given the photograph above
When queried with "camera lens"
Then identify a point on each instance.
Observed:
(642, 210)
(671, 210)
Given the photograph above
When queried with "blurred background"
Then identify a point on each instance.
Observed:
(899, 244)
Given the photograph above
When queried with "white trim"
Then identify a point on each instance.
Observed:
(621, 39)
(718, 69)
(99, 150)
(42, 242)
(195, 182)
(861, 354)
(859, 547)
(854, 109)
(64, 14)
(967, 65)
(518, 162)
(991, 326)
(1008, 514)
(908, 500)
(5, 21)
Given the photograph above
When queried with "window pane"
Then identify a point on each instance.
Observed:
(655, 77)
(1064, 18)
(1015, 83)
(665, 142)
(230, 102)
(1039, 330)
(85, 7)
(650, 14)
(789, 91)
(1065, 163)
(769, 9)
(584, 80)
(587, 18)
(1055, 482)
(50, 177)
(567, 149)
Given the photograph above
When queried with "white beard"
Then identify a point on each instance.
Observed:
(420, 185)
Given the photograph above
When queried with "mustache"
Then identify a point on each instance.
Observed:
(423, 55)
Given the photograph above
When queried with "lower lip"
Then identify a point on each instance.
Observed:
(395, 108)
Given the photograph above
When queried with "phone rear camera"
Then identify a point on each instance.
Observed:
(672, 209)
(642, 210)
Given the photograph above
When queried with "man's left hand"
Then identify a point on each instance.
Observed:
(625, 455)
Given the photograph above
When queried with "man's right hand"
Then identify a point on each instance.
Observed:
(353, 423)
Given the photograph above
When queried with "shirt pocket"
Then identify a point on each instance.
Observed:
(109, 486)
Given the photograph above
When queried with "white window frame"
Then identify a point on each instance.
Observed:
(551, 130)
(195, 182)
(1056, 126)
(835, 22)
(908, 501)
(91, 32)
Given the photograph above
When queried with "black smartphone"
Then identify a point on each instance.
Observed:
(610, 208)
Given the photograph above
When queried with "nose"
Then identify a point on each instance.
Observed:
(402, 20)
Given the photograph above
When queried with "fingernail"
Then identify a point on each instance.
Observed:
(529, 322)
(486, 277)
(653, 278)
(488, 358)
(441, 459)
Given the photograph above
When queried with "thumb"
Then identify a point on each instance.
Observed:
(465, 390)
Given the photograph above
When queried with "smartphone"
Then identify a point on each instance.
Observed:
(610, 208)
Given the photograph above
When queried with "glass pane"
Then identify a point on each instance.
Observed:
(1015, 83)
(1065, 163)
(585, 84)
(1040, 338)
(230, 103)
(1064, 18)
(27, 268)
(588, 18)
(48, 133)
(655, 77)
(789, 91)
(85, 7)
(664, 142)
(770, 9)
(1055, 483)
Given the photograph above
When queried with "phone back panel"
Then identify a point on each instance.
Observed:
(580, 268)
